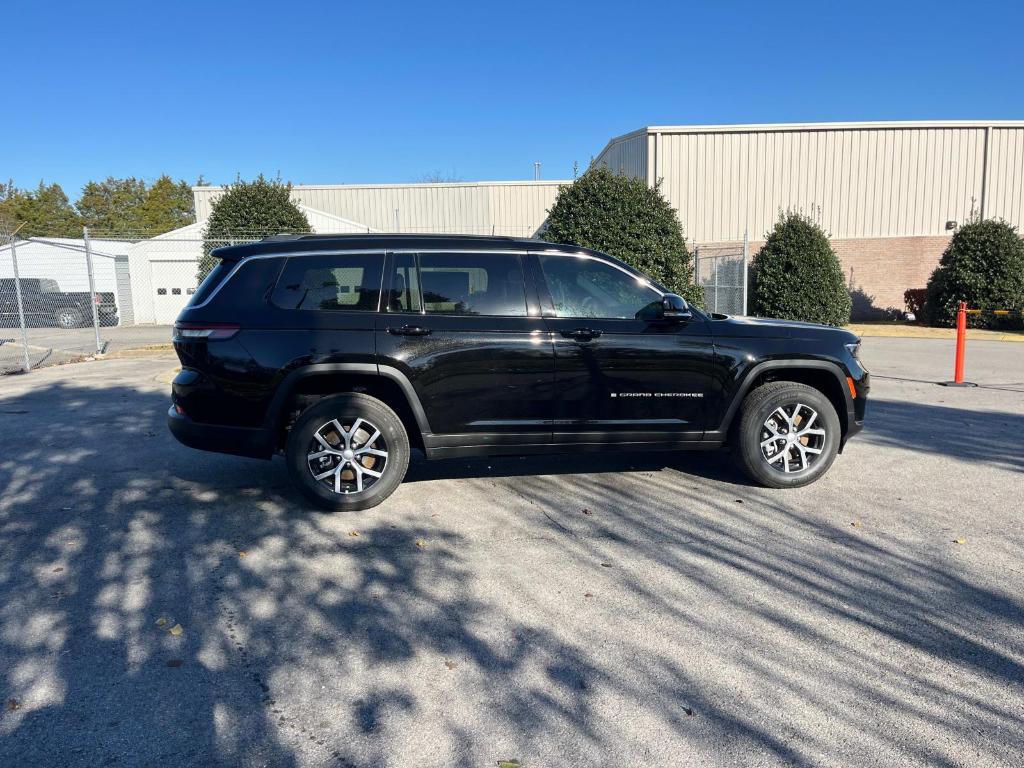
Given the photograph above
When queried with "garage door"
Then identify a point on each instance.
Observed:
(174, 282)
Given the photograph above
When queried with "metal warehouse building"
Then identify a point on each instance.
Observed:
(515, 208)
(886, 192)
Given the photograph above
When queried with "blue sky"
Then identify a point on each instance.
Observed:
(387, 92)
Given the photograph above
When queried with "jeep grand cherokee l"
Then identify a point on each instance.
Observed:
(343, 352)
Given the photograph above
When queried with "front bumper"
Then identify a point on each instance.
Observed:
(238, 441)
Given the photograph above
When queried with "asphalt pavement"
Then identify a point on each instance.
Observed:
(161, 606)
(56, 346)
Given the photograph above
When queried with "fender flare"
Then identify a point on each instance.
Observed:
(786, 364)
(293, 377)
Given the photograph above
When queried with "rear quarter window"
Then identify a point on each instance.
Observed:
(239, 284)
(220, 271)
(334, 283)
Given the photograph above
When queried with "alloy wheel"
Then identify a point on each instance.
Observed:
(347, 458)
(790, 440)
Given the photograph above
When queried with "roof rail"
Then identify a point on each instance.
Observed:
(284, 236)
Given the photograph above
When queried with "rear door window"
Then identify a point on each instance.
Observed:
(336, 283)
(472, 284)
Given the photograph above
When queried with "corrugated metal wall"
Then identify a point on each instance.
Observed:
(1006, 175)
(870, 181)
(626, 154)
(504, 208)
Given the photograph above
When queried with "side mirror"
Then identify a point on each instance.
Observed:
(675, 308)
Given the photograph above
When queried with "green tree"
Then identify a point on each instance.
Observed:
(45, 212)
(132, 207)
(984, 266)
(250, 211)
(796, 274)
(629, 220)
(112, 206)
(168, 205)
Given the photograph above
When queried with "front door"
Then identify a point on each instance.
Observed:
(459, 327)
(623, 374)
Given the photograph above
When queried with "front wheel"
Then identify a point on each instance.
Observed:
(347, 452)
(788, 435)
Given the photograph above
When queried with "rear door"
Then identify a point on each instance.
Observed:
(463, 330)
(623, 374)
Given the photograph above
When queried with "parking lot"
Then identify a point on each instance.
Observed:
(162, 606)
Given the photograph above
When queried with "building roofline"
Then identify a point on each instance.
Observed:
(864, 125)
(855, 125)
(339, 219)
(524, 183)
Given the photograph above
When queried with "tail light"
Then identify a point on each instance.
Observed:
(204, 331)
(96, 299)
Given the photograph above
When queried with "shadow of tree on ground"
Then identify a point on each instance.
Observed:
(444, 628)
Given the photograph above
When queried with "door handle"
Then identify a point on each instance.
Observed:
(410, 330)
(582, 334)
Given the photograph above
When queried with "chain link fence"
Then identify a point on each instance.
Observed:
(722, 269)
(63, 299)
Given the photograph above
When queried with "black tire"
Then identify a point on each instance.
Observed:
(347, 409)
(758, 408)
(68, 318)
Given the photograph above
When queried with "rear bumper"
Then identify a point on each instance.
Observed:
(238, 441)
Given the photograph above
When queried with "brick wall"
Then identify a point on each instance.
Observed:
(878, 270)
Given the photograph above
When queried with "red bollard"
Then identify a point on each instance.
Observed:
(961, 349)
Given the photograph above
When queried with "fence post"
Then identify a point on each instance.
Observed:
(696, 266)
(92, 290)
(21, 307)
(746, 256)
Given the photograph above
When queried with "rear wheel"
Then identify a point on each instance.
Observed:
(347, 452)
(788, 435)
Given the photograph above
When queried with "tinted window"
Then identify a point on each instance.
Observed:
(472, 284)
(338, 283)
(404, 294)
(212, 280)
(589, 288)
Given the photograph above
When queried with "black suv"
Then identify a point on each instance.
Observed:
(345, 351)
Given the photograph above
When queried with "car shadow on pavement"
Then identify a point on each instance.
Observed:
(709, 465)
(164, 606)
